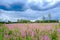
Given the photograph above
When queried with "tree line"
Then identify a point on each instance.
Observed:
(36, 21)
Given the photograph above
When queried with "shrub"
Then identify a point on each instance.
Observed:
(24, 21)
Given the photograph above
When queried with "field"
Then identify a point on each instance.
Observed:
(30, 31)
(32, 26)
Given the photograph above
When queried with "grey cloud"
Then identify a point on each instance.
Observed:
(23, 6)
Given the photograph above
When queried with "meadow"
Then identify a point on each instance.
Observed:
(30, 31)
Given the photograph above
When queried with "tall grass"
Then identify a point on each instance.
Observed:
(6, 34)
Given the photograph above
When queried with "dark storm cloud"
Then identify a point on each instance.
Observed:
(14, 7)
(24, 5)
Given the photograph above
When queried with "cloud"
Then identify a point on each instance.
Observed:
(18, 7)
(23, 5)
(44, 5)
(14, 7)
(29, 14)
(26, 9)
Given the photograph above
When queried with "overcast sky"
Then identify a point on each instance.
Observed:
(29, 9)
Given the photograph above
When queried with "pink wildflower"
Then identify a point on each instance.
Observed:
(48, 27)
(32, 33)
(24, 34)
(46, 37)
(58, 30)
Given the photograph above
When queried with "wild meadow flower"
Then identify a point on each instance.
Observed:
(46, 37)
(58, 30)
(24, 33)
(6, 36)
(32, 33)
(48, 27)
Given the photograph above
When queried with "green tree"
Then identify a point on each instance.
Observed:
(43, 18)
(49, 17)
(23, 21)
(9, 21)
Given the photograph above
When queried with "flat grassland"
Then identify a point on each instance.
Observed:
(40, 26)
(30, 31)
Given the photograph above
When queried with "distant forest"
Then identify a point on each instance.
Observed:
(36, 21)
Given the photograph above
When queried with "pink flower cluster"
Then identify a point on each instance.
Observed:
(58, 30)
(46, 37)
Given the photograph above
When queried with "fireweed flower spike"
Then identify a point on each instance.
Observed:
(46, 37)
(32, 33)
(58, 30)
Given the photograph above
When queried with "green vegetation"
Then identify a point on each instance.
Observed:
(44, 20)
(47, 21)
(28, 21)
(24, 21)
(6, 34)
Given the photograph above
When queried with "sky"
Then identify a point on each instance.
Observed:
(29, 9)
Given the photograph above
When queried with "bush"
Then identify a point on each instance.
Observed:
(46, 21)
(24, 21)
